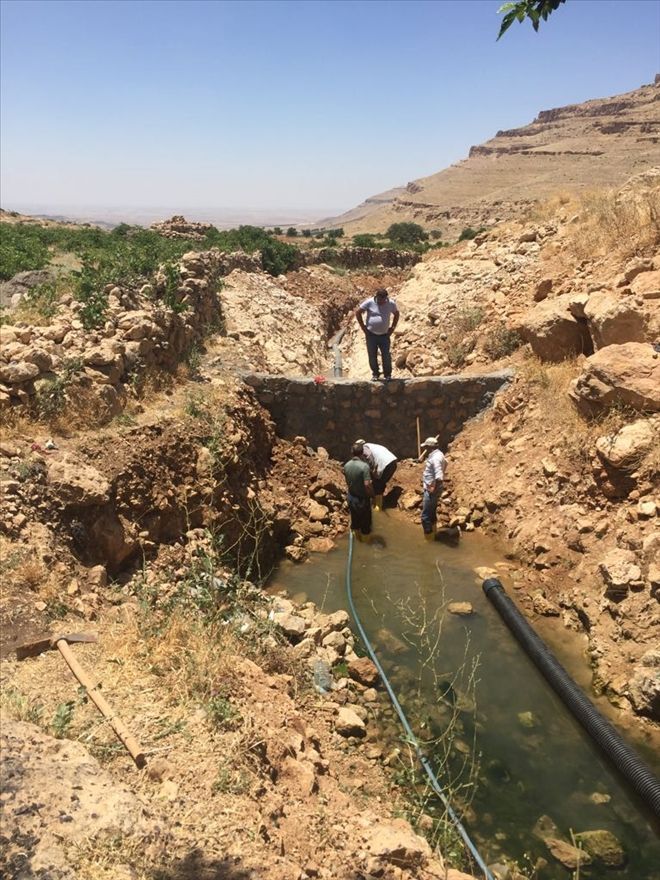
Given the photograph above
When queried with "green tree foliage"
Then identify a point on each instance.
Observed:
(406, 234)
(278, 257)
(19, 252)
(291, 232)
(366, 240)
(534, 10)
(127, 256)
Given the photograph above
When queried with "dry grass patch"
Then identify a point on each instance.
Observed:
(547, 209)
(575, 435)
(624, 223)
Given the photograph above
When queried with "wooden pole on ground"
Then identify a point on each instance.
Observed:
(419, 440)
(125, 737)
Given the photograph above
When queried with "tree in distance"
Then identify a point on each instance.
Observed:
(534, 10)
(291, 232)
(406, 233)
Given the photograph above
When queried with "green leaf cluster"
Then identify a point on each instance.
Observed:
(535, 10)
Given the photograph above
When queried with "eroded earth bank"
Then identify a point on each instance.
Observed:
(146, 497)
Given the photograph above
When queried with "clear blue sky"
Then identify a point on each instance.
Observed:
(305, 104)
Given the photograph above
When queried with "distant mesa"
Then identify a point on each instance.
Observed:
(599, 143)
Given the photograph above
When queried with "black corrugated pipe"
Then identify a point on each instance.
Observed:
(635, 771)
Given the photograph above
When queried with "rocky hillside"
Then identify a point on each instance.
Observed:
(565, 466)
(600, 143)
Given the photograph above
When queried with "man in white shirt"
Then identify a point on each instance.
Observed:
(382, 464)
(432, 480)
(373, 315)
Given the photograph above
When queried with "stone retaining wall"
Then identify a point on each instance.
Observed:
(334, 413)
(360, 257)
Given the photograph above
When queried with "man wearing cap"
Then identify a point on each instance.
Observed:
(360, 491)
(382, 464)
(373, 315)
(433, 477)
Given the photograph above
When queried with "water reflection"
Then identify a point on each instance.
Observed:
(474, 696)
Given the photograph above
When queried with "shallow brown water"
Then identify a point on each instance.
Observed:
(469, 675)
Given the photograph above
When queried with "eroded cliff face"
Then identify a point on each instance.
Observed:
(599, 143)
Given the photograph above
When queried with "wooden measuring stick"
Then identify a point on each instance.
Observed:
(419, 440)
(126, 738)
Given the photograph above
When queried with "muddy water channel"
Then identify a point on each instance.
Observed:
(503, 746)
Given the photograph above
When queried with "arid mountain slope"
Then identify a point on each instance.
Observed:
(577, 147)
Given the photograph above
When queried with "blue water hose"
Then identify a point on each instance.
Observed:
(412, 739)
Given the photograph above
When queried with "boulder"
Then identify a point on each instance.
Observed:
(364, 671)
(291, 625)
(626, 449)
(397, 843)
(542, 290)
(552, 331)
(603, 847)
(57, 798)
(619, 375)
(75, 483)
(320, 545)
(462, 609)
(570, 856)
(317, 512)
(645, 685)
(613, 319)
(349, 723)
(620, 573)
(39, 358)
(18, 371)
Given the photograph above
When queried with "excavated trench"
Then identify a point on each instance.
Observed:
(471, 691)
(506, 751)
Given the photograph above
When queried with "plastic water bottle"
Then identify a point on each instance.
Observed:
(322, 676)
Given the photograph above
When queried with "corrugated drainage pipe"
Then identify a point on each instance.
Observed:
(635, 771)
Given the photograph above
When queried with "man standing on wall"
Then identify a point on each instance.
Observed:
(373, 315)
(382, 464)
(434, 475)
(360, 491)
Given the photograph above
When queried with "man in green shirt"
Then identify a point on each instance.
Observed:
(360, 491)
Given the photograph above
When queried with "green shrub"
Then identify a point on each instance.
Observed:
(51, 396)
(291, 232)
(501, 342)
(469, 233)
(366, 240)
(277, 257)
(469, 318)
(20, 250)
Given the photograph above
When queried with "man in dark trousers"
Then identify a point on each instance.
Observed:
(360, 492)
(373, 315)
(382, 464)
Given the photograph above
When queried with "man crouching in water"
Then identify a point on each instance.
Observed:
(360, 492)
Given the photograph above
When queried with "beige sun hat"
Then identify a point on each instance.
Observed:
(430, 442)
